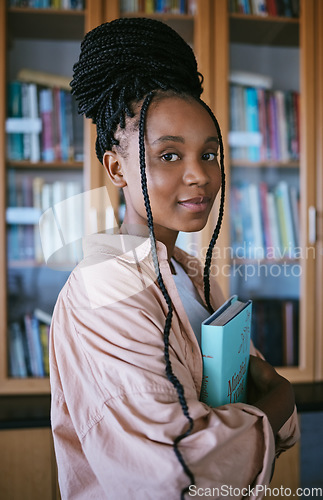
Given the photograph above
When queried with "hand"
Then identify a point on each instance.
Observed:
(262, 377)
(270, 392)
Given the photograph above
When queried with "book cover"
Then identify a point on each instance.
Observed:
(225, 350)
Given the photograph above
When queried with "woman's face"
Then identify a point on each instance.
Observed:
(183, 174)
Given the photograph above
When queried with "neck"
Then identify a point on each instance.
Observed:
(162, 234)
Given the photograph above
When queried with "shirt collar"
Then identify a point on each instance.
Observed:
(126, 247)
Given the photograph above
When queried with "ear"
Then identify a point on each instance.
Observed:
(112, 162)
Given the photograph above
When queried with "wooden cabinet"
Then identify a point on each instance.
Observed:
(211, 31)
(286, 50)
(44, 41)
(28, 466)
(220, 39)
(47, 41)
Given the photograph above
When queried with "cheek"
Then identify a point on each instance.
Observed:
(161, 182)
(216, 179)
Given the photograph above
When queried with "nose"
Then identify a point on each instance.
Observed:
(195, 173)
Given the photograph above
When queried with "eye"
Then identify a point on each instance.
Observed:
(170, 157)
(209, 156)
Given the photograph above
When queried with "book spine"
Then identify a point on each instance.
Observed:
(254, 199)
(285, 217)
(44, 339)
(252, 120)
(57, 125)
(34, 113)
(262, 123)
(46, 113)
(282, 126)
(275, 250)
(38, 183)
(32, 349)
(15, 141)
(25, 114)
(211, 392)
(17, 358)
(63, 127)
(263, 189)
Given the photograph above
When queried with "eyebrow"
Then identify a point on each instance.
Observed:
(178, 138)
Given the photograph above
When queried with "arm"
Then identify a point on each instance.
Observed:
(270, 392)
(117, 415)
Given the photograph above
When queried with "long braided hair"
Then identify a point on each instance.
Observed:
(122, 63)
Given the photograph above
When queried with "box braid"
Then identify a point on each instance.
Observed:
(122, 63)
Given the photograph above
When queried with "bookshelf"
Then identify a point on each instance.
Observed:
(281, 48)
(217, 36)
(46, 40)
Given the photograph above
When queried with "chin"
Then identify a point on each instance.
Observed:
(193, 227)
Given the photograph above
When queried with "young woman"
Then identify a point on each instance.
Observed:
(126, 365)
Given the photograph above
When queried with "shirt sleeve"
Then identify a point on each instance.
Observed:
(113, 405)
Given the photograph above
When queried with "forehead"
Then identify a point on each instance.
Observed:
(178, 116)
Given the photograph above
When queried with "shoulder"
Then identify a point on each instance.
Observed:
(113, 269)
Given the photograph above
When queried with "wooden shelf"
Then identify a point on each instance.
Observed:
(182, 23)
(264, 261)
(30, 385)
(162, 16)
(70, 165)
(46, 23)
(264, 30)
(263, 164)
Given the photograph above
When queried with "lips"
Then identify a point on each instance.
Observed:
(197, 204)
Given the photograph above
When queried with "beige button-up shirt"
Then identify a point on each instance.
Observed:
(115, 414)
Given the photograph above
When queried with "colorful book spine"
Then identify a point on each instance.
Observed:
(255, 210)
(17, 358)
(274, 115)
(46, 113)
(15, 142)
(285, 219)
(275, 250)
(264, 220)
(284, 8)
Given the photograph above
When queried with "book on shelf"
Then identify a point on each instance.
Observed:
(249, 79)
(28, 198)
(48, 4)
(252, 120)
(15, 140)
(285, 217)
(283, 8)
(256, 221)
(43, 121)
(275, 325)
(264, 220)
(271, 114)
(158, 6)
(225, 345)
(28, 341)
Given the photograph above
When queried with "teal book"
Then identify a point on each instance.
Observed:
(225, 345)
